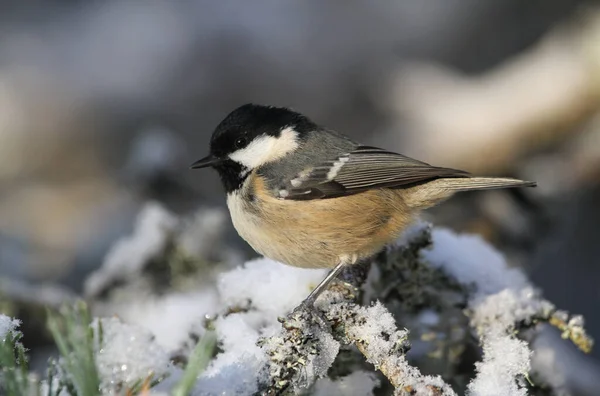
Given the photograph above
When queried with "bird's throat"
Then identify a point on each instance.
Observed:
(232, 175)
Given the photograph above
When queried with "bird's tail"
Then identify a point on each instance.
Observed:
(435, 191)
(481, 183)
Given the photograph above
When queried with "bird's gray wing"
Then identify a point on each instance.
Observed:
(362, 169)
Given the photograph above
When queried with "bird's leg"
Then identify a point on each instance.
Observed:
(321, 287)
(307, 306)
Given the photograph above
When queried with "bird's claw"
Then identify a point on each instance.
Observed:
(307, 311)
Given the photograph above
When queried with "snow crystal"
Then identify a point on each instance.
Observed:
(7, 324)
(45, 388)
(358, 383)
(237, 340)
(272, 287)
(238, 379)
(504, 358)
(128, 354)
(237, 368)
(469, 259)
(504, 309)
(374, 329)
(317, 365)
(378, 321)
(128, 256)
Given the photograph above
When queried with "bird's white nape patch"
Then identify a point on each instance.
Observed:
(264, 149)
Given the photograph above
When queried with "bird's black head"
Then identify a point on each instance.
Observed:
(251, 136)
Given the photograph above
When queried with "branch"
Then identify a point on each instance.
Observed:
(296, 354)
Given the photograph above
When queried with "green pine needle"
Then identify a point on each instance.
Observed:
(199, 359)
(74, 338)
(13, 366)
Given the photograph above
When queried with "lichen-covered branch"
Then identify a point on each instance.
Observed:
(294, 358)
(373, 331)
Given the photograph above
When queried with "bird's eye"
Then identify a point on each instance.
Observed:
(240, 142)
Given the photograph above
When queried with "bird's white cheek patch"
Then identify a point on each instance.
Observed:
(266, 149)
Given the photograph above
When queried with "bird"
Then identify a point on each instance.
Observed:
(311, 197)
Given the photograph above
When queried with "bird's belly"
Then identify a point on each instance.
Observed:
(316, 233)
(261, 234)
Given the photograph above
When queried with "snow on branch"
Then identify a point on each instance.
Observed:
(304, 350)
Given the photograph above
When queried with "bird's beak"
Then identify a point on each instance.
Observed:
(210, 160)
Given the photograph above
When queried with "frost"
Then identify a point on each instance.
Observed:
(7, 324)
(504, 358)
(372, 323)
(45, 388)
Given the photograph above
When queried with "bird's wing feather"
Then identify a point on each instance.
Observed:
(362, 169)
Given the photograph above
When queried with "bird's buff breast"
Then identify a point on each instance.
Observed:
(316, 233)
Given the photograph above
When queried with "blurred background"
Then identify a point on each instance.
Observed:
(104, 104)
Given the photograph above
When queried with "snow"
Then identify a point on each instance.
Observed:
(127, 354)
(502, 298)
(170, 318)
(471, 260)
(504, 309)
(374, 329)
(45, 388)
(271, 287)
(546, 360)
(377, 322)
(247, 301)
(128, 256)
(7, 324)
(504, 358)
(263, 289)
(257, 293)
(237, 337)
(358, 383)
(203, 232)
(328, 349)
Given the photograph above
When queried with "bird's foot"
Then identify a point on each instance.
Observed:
(307, 312)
